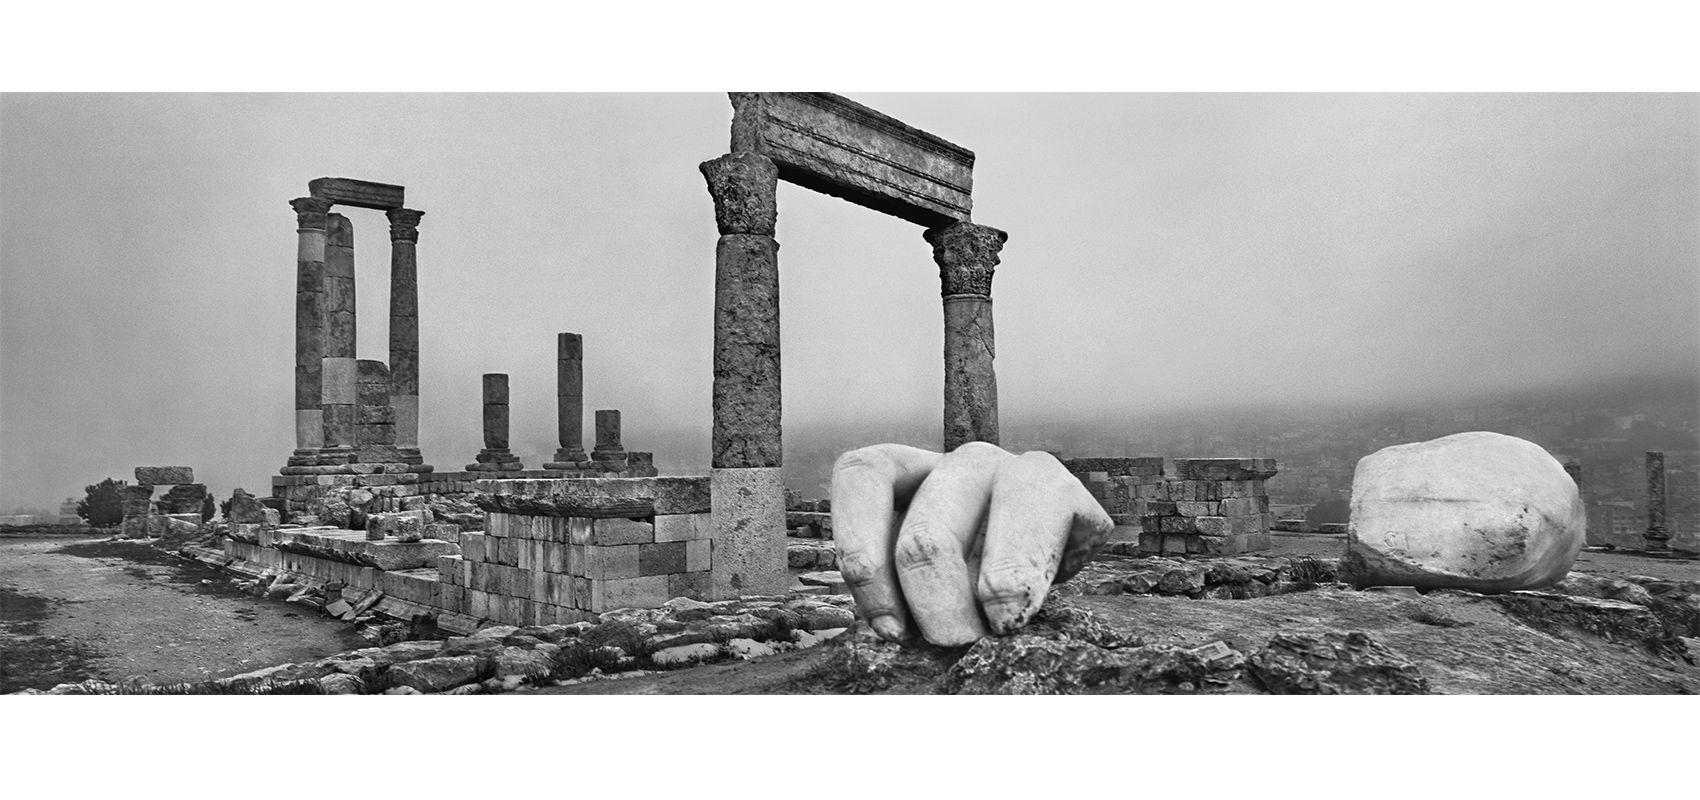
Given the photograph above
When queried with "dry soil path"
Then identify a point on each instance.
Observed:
(73, 609)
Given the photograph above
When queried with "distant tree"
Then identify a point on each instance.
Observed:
(207, 509)
(101, 505)
(1328, 511)
(224, 508)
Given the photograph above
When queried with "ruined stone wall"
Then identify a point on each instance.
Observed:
(530, 552)
(1211, 506)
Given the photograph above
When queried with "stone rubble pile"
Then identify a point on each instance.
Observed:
(1237, 578)
(500, 658)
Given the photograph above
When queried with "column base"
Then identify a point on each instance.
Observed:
(748, 511)
(571, 455)
(496, 460)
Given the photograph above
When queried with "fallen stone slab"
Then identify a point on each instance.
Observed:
(164, 476)
(436, 674)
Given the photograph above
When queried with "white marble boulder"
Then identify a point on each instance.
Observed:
(1480, 511)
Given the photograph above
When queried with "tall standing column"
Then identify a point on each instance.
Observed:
(309, 325)
(1657, 536)
(339, 373)
(569, 402)
(404, 330)
(747, 489)
(967, 254)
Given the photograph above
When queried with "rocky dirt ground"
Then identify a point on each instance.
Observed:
(1275, 622)
(75, 608)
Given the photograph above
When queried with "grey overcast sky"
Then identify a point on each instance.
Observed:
(1166, 251)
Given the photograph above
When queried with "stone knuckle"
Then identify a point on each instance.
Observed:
(922, 548)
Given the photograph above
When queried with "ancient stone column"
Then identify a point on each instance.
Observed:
(746, 483)
(569, 402)
(608, 431)
(610, 454)
(404, 330)
(495, 457)
(1658, 538)
(966, 254)
(339, 373)
(309, 325)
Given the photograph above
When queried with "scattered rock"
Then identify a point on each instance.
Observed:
(685, 654)
(342, 683)
(1334, 663)
(436, 674)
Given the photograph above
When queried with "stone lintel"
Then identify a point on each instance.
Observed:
(361, 194)
(836, 146)
(595, 497)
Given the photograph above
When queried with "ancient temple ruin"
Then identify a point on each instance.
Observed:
(832, 145)
(346, 411)
(592, 530)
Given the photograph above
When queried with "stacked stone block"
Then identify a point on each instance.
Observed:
(374, 428)
(1210, 506)
(178, 510)
(560, 551)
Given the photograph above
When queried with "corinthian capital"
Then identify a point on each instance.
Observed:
(404, 224)
(744, 187)
(966, 254)
(310, 211)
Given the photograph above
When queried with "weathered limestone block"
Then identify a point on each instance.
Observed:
(746, 352)
(245, 508)
(1225, 469)
(164, 476)
(184, 498)
(398, 525)
(136, 501)
(1479, 511)
(749, 532)
(595, 497)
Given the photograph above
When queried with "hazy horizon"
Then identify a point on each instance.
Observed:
(1168, 254)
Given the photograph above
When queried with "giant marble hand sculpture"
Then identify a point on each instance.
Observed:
(953, 546)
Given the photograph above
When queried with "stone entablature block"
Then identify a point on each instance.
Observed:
(361, 194)
(836, 146)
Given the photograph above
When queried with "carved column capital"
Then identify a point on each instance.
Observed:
(744, 186)
(310, 211)
(966, 254)
(404, 224)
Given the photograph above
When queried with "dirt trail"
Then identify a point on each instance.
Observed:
(72, 609)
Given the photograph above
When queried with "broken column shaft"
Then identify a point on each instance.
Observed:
(495, 457)
(569, 402)
(967, 254)
(1657, 536)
